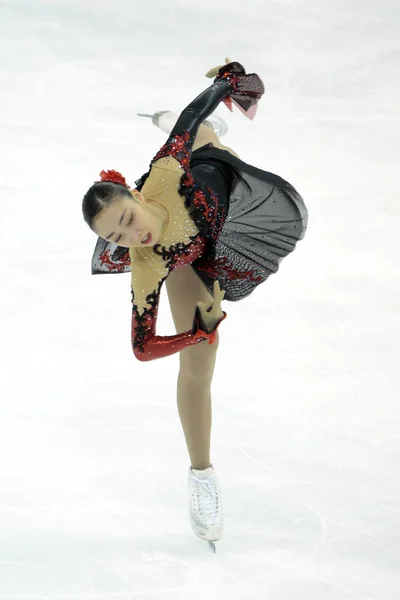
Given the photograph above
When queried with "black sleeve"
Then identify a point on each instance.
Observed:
(199, 109)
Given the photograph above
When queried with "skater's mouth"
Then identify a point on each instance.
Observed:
(147, 239)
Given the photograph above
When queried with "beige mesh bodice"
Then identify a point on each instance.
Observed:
(149, 269)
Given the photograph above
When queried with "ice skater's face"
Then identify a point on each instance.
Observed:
(129, 222)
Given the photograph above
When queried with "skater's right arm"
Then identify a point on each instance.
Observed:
(146, 345)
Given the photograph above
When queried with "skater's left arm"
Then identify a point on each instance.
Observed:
(198, 110)
(230, 83)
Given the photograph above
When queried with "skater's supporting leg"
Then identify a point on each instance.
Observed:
(196, 366)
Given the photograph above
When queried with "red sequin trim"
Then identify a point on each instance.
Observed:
(119, 267)
(174, 257)
(232, 79)
(206, 204)
(177, 148)
(209, 210)
(220, 266)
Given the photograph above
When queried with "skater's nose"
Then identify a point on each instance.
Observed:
(134, 237)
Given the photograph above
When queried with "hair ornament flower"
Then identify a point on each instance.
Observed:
(113, 176)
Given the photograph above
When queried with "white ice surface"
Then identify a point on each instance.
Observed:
(306, 392)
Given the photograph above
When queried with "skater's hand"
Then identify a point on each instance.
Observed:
(214, 72)
(211, 313)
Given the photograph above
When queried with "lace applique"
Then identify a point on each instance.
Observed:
(174, 257)
(116, 262)
(205, 210)
(220, 267)
(144, 322)
(201, 202)
(181, 254)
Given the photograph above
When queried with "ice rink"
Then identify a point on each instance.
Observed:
(93, 465)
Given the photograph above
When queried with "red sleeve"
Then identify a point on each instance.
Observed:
(147, 345)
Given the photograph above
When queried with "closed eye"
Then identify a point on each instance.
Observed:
(127, 225)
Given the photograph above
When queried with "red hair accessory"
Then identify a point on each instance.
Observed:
(113, 176)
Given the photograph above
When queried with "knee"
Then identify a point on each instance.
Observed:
(197, 363)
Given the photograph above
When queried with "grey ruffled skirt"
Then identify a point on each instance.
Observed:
(266, 217)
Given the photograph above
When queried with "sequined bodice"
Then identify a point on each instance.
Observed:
(180, 244)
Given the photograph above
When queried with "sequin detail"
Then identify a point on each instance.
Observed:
(233, 79)
(143, 323)
(200, 200)
(112, 265)
(178, 149)
(176, 256)
(216, 268)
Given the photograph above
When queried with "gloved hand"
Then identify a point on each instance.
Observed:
(209, 316)
(214, 72)
(247, 89)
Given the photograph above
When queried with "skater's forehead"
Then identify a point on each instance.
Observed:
(112, 216)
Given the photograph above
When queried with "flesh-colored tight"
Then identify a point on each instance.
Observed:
(206, 135)
(197, 363)
(196, 366)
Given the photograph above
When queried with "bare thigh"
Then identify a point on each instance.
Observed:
(185, 289)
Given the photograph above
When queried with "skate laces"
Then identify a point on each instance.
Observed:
(208, 502)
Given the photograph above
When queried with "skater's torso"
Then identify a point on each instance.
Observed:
(197, 201)
(179, 245)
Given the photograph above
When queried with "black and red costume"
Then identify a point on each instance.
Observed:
(247, 219)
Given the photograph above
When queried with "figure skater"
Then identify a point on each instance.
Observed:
(213, 227)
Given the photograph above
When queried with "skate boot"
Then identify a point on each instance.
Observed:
(205, 503)
(165, 120)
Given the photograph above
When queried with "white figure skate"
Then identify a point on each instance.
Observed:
(165, 120)
(205, 505)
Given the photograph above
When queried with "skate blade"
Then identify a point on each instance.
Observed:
(212, 546)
